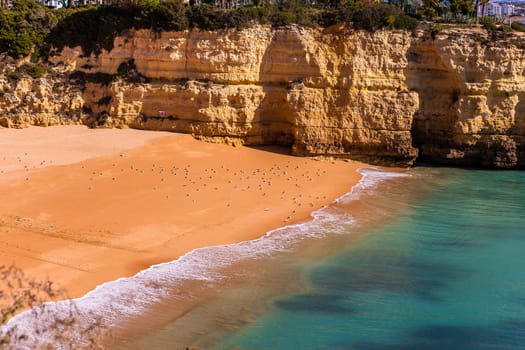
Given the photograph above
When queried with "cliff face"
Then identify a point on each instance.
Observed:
(471, 89)
(322, 92)
(43, 101)
(456, 98)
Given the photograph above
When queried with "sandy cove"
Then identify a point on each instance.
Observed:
(82, 207)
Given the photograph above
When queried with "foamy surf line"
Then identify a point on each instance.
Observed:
(115, 301)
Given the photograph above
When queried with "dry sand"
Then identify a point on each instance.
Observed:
(82, 207)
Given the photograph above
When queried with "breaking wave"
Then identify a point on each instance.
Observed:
(124, 298)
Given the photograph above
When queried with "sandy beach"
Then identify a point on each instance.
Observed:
(82, 207)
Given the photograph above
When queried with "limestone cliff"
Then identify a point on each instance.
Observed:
(471, 87)
(457, 97)
(328, 92)
(44, 101)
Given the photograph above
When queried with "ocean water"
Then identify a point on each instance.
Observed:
(429, 259)
(434, 259)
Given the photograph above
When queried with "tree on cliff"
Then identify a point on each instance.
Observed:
(31, 28)
(483, 6)
(23, 27)
(464, 7)
(431, 8)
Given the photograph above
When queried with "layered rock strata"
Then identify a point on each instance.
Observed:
(49, 100)
(329, 92)
(456, 97)
(471, 88)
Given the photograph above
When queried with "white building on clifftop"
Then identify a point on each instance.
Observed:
(496, 9)
(6, 4)
(508, 10)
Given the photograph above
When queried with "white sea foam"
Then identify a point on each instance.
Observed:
(127, 297)
(371, 177)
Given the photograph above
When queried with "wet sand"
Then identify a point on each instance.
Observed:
(82, 207)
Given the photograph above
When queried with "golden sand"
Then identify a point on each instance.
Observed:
(82, 207)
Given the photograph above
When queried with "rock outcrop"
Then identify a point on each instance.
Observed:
(44, 101)
(330, 92)
(471, 87)
(455, 98)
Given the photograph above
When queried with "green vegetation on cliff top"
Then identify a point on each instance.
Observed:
(30, 28)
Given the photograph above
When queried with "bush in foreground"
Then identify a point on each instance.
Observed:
(49, 328)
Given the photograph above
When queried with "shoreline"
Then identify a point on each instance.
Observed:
(119, 243)
(166, 288)
(176, 309)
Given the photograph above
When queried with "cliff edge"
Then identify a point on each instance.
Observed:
(456, 97)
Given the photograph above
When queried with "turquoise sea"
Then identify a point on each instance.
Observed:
(434, 259)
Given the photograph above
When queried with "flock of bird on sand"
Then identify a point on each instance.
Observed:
(195, 182)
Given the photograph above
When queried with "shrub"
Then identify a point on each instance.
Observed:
(405, 22)
(208, 17)
(248, 15)
(13, 77)
(204, 17)
(282, 18)
(23, 27)
(346, 10)
(19, 292)
(517, 26)
(93, 29)
(377, 16)
(170, 15)
(30, 25)
(489, 24)
(34, 71)
(504, 28)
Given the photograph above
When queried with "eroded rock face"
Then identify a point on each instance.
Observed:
(471, 88)
(331, 92)
(457, 98)
(45, 101)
